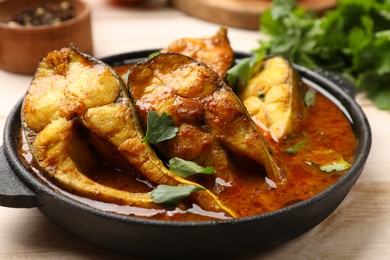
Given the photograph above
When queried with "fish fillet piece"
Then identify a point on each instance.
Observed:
(274, 97)
(211, 119)
(215, 51)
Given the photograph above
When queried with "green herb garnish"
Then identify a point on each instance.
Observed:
(296, 147)
(159, 128)
(170, 195)
(327, 160)
(185, 168)
(337, 166)
(239, 74)
(309, 98)
(153, 54)
(352, 40)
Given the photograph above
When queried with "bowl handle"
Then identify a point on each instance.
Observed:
(13, 193)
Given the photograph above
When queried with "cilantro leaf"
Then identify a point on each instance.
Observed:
(153, 54)
(238, 75)
(337, 166)
(159, 128)
(327, 160)
(185, 168)
(170, 195)
(381, 98)
(282, 8)
(309, 98)
(296, 147)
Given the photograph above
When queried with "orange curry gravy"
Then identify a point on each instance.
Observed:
(326, 133)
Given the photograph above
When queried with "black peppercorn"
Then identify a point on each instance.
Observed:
(46, 14)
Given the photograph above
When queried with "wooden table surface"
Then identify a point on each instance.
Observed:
(358, 229)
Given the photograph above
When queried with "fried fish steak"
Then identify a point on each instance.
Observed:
(274, 97)
(214, 51)
(211, 119)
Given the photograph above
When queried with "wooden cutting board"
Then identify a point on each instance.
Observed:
(240, 13)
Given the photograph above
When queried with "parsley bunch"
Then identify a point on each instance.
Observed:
(353, 40)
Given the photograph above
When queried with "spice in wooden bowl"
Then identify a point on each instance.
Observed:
(29, 29)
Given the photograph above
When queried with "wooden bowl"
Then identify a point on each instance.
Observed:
(21, 48)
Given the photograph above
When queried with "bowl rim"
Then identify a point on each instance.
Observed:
(85, 11)
(362, 151)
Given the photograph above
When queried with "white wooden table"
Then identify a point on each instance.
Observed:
(358, 229)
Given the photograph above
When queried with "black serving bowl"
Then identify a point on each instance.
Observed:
(212, 239)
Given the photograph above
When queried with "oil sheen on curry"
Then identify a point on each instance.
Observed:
(169, 138)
